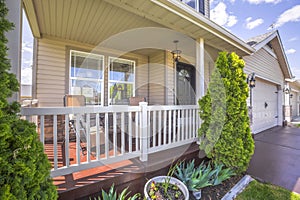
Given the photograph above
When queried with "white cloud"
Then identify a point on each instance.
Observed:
(290, 51)
(291, 15)
(220, 15)
(293, 39)
(26, 76)
(251, 24)
(263, 1)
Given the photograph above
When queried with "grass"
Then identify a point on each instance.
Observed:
(259, 191)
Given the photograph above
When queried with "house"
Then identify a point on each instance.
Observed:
(271, 68)
(111, 50)
(294, 98)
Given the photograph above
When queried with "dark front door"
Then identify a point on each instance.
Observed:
(185, 84)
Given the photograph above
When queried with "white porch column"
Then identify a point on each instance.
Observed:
(199, 68)
(15, 40)
(287, 105)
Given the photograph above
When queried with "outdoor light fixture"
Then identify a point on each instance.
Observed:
(291, 95)
(286, 90)
(176, 53)
(251, 80)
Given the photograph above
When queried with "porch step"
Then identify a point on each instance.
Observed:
(130, 173)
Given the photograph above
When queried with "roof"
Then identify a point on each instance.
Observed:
(94, 21)
(273, 40)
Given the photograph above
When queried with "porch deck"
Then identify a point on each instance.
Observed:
(129, 173)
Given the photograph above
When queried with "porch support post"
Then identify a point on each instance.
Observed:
(199, 69)
(15, 40)
(287, 105)
(144, 132)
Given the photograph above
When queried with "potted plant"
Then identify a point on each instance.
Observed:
(166, 187)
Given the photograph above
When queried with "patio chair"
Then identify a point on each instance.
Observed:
(134, 101)
(76, 101)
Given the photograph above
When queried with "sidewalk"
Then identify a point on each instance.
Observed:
(277, 157)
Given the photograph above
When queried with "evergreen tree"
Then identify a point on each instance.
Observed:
(24, 168)
(225, 130)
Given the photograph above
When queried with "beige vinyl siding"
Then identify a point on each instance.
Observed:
(265, 66)
(52, 78)
(294, 104)
(50, 74)
(142, 77)
(157, 78)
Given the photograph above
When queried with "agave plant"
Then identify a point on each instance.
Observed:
(112, 195)
(194, 178)
(221, 174)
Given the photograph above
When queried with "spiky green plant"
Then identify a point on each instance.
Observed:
(112, 195)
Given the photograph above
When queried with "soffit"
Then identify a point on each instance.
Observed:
(93, 21)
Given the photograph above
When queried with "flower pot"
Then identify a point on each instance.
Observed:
(162, 179)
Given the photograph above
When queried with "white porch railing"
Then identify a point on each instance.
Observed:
(79, 138)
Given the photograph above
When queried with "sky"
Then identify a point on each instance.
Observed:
(250, 18)
(243, 18)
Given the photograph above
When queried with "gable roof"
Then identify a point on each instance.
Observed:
(272, 39)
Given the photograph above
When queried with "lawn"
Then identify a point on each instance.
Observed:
(259, 191)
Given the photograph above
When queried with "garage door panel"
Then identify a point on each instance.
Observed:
(265, 106)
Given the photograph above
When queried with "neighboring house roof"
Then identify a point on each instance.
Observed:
(82, 21)
(272, 39)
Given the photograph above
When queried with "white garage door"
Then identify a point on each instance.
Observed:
(265, 106)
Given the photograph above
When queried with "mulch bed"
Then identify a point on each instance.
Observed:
(217, 192)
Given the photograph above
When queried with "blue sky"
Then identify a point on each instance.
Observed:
(249, 18)
(244, 18)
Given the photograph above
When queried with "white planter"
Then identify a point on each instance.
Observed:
(197, 194)
(161, 179)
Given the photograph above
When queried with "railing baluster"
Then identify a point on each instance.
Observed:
(106, 136)
(115, 141)
(170, 126)
(165, 127)
(122, 133)
(78, 138)
(190, 124)
(174, 125)
(130, 132)
(67, 134)
(148, 128)
(178, 126)
(186, 124)
(97, 136)
(42, 129)
(88, 138)
(159, 128)
(55, 141)
(154, 128)
(137, 135)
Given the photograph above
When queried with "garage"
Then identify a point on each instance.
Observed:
(294, 103)
(265, 106)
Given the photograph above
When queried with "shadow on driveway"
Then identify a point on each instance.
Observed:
(277, 157)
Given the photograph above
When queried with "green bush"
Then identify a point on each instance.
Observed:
(225, 131)
(24, 168)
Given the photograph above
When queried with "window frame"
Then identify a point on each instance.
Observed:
(198, 7)
(101, 58)
(109, 81)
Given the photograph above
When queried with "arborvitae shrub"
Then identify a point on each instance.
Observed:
(225, 131)
(24, 168)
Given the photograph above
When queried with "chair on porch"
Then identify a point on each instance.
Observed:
(134, 101)
(76, 101)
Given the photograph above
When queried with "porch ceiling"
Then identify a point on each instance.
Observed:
(93, 21)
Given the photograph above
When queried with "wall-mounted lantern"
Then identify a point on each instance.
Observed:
(176, 53)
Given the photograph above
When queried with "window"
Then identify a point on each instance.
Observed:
(196, 4)
(121, 81)
(86, 76)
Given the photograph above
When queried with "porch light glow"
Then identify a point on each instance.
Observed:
(176, 53)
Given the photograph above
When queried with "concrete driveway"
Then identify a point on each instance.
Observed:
(277, 157)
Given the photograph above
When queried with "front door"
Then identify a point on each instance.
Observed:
(185, 84)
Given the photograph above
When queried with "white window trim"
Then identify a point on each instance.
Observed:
(111, 58)
(89, 55)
